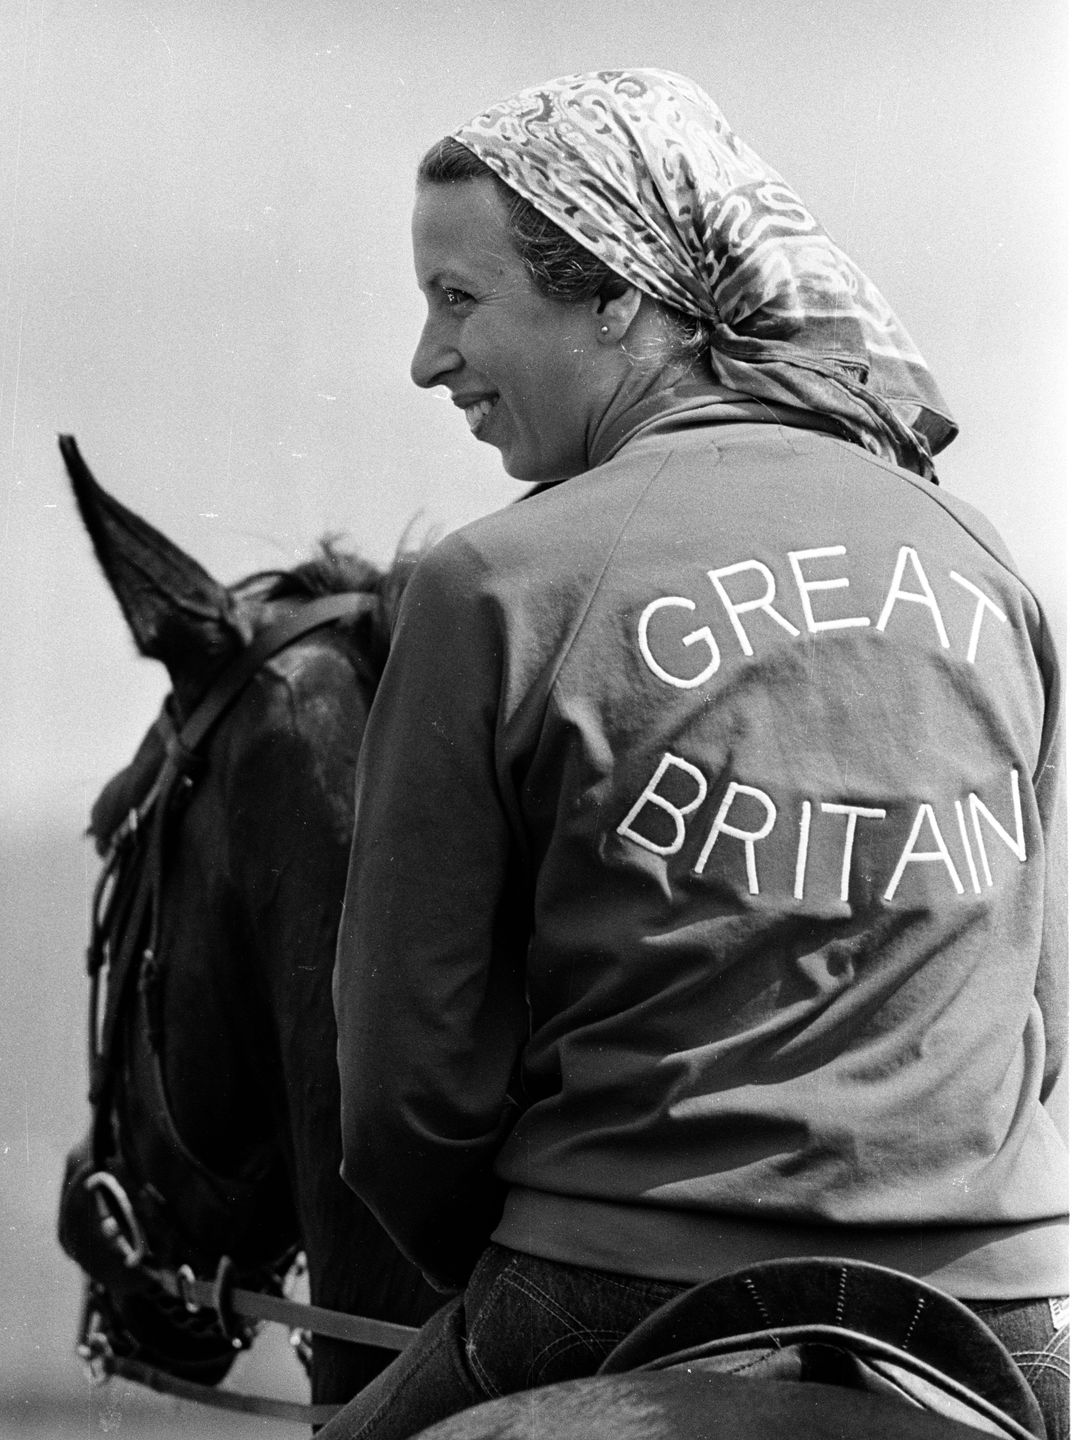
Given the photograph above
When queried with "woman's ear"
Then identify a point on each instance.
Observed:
(615, 314)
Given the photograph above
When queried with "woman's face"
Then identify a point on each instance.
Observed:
(528, 372)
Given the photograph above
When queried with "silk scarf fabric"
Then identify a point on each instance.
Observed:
(642, 169)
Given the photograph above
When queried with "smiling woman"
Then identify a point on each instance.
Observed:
(702, 906)
(539, 372)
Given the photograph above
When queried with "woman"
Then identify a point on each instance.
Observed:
(699, 909)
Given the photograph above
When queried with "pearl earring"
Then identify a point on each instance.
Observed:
(603, 329)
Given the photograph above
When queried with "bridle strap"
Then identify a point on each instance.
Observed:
(255, 1305)
(233, 1400)
(251, 1305)
(258, 1305)
(268, 643)
(182, 748)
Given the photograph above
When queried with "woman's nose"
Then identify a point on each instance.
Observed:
(434, 356)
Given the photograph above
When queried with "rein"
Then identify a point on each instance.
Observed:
(124, 940)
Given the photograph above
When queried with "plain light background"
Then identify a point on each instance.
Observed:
(205, 275)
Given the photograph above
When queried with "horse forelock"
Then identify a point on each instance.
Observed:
(335, 570)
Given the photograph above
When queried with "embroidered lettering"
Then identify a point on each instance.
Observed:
(677, 813)
(839, 582)
(804, 845)
(983, 603)
(925, 596)
(677, 789)
(979, 812)
(702, 636)
(748, 837)
(966, 842)
(911, 856)
(853, 812)
(757, 591)
(761, 602)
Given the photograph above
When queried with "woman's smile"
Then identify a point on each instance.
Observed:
(525, 368)
(476, 411)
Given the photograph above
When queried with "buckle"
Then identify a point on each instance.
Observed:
(185, 1280)
(93, 1347)
(117, 1218)
(300, 1341)
(232, 1328)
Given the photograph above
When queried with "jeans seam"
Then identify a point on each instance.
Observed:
(483, 1379)
(505, 1274)
(592, 1344)
(509, 1278)
(391, 1399)
(591, 1341)
(577, 1334)
(547, 1302)
(1036, 1362)
(472, 1352)
(644, 1287)
(1046, 1367)
(656, 1290)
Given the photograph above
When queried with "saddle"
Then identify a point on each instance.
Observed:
(822, 1349)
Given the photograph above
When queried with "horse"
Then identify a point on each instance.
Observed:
(215, 1139)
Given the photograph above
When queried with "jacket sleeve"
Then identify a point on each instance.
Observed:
(1051, 983)
(429, 985)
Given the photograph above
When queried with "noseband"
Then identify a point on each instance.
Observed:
(124, 942)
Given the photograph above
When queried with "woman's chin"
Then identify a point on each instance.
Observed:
(532, 470)
(518, 466)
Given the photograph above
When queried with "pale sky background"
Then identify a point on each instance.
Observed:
(205, 275)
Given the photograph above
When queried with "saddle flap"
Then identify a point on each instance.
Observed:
(903, 1336)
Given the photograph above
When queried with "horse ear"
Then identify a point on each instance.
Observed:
(176, 611)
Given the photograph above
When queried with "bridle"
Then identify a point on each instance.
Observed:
(125, 940)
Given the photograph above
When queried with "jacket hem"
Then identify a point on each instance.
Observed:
(972, 1262)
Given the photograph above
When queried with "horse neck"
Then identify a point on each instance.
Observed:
(261, 861)
(288, 865)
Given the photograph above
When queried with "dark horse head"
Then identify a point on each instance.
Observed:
(215, 1130)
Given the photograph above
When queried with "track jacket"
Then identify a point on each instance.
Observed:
(701, 908)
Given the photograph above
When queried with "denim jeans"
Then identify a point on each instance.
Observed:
(1036, 1335)
(525, 1322)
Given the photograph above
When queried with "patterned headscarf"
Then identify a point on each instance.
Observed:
(640, 168)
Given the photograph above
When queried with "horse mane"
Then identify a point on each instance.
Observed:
(336, 570)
